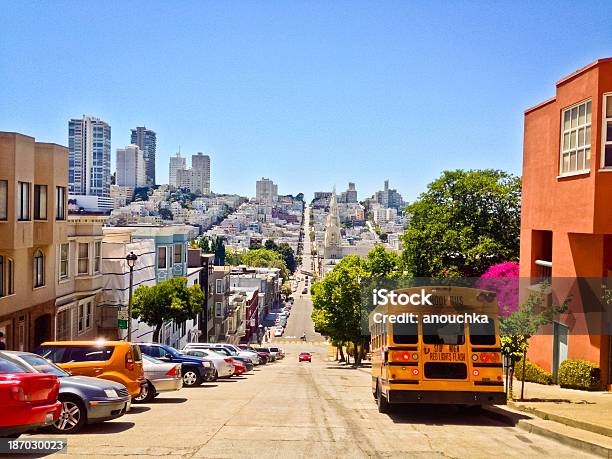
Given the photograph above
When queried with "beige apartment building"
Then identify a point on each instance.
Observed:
(79, 279)
(33, 199)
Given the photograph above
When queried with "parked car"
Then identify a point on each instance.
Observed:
(305, 291)
(223, 351)
(28, 400)
(305, 357)
(195, 370)
(279, 331)
(278, 352)
(265, 352)
(224, 368)
(252, 356)
(272, 355)
(239, 367)
(117, 361)
(84, 400)
(160, 376)
(264, 357)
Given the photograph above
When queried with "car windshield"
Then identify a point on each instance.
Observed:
(42, 365)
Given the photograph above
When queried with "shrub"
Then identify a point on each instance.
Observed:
(579, 374)
(533, 373)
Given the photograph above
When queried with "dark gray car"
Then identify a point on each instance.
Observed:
(84, 400)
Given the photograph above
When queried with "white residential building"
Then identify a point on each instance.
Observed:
(131, 167)
(177, 162)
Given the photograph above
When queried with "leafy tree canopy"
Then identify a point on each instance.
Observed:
(169, 300)
(465, 222)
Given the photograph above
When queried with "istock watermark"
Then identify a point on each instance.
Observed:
(383, 297)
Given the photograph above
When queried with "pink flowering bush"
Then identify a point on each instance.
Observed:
(503, 279)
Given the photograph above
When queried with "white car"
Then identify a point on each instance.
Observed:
(252, 356)
(223, 365)
(279, 331)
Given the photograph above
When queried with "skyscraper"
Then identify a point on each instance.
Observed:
(131, 167)
(176, 162)
(89, 157)
(200, 164)
(266, 191)
(146, 139)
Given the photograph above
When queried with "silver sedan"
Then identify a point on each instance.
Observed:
(160, 376)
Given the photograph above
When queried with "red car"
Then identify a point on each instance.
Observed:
(27, 400)
(305, 357)
(239, 367)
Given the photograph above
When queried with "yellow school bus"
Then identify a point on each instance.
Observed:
(441, 350)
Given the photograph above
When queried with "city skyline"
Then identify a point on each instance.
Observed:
(296, 96)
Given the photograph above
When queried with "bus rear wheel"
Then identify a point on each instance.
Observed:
(381, 401)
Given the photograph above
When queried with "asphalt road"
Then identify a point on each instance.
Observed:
(302, 410)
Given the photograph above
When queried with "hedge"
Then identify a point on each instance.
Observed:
(579, 374)
(533, 373)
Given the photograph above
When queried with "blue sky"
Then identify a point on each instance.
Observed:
(309, 93)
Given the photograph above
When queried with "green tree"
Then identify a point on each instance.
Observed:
(382, 263)
(465, 222)
(169, 300)
(286, 290)
(337, 302)
(218, 248)
(204, 244)
(288, 255)
(265, 258)
(526, 321)
(270, 245)
(166, 214)
(232, 257)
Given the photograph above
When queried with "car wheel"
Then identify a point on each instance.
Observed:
(191, 378)
(147, 393)
(73, 416)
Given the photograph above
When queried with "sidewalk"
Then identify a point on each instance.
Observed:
(574, 417)
(581, 409)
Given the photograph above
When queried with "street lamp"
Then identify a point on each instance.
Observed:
(131, 261)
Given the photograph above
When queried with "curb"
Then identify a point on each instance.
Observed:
(594, 428)
(539, 427)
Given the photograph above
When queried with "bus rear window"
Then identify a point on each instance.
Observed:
(443, 333)
(483, 334)
(405, 333)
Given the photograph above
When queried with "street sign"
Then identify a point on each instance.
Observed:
(122, 319)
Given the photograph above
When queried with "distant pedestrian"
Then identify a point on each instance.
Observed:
(2, 343)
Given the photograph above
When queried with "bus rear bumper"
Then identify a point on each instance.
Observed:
(447, 397)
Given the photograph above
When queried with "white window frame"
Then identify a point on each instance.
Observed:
(66, 261)
(165, 248)
(97, 253)
(219, 286)
(566, 149)
(85, 316)
(181, 250)
(604, 131)
(218, 309)
(79, 258)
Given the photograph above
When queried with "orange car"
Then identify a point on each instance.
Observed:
(117, 361)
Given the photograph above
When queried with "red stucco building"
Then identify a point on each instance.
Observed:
(566, 222)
